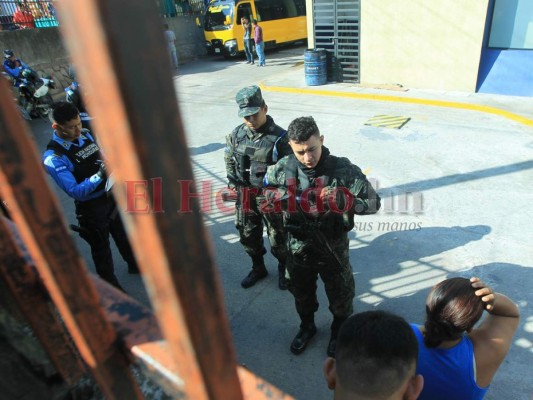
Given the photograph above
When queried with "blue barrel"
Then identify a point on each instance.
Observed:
(315, 67)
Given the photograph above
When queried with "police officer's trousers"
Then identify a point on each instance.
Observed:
(97, 219)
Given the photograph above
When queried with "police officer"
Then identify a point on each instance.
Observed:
(250, 148)
(321, 193)
(73, 160)
(13, 65)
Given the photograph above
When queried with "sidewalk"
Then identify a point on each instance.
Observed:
(512, 107)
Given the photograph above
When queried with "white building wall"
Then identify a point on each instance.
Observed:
(430, 44)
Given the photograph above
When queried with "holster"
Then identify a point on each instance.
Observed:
(93, 237)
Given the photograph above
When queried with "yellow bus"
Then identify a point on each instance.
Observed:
(283, 21)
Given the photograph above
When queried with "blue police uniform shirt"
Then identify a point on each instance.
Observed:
(60, 168)
(15, 71)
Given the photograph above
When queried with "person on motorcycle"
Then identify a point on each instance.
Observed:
(13, 66)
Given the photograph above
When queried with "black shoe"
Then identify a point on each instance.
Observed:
(302, 339)
(331, 347)
(255, 275)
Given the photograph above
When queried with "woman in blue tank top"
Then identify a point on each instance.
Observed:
(457, 360)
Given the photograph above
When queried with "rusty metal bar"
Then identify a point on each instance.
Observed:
(120, 55)
(24, 283)
(36, 213)
(138, 329)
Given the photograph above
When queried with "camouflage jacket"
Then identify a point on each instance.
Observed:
(341, 174)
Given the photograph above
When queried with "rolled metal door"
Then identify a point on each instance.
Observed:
(336, 28)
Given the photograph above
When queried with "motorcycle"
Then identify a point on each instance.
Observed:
(22, 110)
(33, 97)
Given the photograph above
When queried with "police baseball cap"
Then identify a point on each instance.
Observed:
(249, 100)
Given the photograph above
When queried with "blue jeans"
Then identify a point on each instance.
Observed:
(260, 50)
(248, 49)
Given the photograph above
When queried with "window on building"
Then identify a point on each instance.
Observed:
(512, 25)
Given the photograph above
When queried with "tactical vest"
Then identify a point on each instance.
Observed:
(85, 159)
(302, 180)
(253, 157)
(336, 223)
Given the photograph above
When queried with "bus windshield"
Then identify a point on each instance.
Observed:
(219, 17)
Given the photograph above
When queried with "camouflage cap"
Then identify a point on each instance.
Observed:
(249, 100)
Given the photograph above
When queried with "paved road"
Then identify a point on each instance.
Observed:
(457, 191)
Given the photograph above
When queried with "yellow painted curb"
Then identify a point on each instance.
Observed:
(379, 97)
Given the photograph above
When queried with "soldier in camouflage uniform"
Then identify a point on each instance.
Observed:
(319, 195)
(250, 148)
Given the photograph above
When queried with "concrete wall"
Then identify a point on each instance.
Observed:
(44, 51)
(190, 39)
(422, 44)
(41, 49)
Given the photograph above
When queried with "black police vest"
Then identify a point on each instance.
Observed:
(85, 159)
(253, 157)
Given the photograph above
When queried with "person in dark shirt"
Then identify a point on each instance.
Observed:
(376, 358)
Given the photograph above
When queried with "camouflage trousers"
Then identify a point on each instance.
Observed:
(251, 233)
(306, 262)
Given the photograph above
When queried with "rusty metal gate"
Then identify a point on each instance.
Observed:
(336, 28)
(190, 354)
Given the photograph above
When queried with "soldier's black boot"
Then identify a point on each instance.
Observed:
(257, 273)
(282, 281)
(306, 332)
(335, 327)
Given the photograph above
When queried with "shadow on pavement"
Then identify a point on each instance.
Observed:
(379, 263)
(208, 148)
(458, 178)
